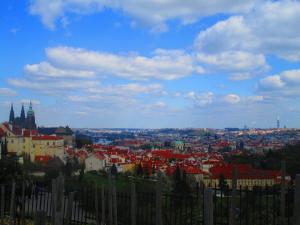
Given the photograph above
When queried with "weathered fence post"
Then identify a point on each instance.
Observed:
(57, 200)
(2, 203)
(297, 201)
(159, 201)
(208, 207)
(133, 204)
(232, 212)
(283, 193)
(23, 202)
(115, 202)
(70, 208)
(103, 218)
(97, 206)
(53, 199)
(12, 203)
(110, 201)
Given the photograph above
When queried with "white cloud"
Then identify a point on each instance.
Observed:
(151, 12)
(201, 99)
(52, 86)
(232, 34)
(241, 65)
(272, 82)
(284, 84)
(232, 99)
(163, 64)
(270, 28)
(81, 113)
(205, 99)
(46, 70)
(7, 92)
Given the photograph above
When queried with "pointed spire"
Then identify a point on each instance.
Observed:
(11, 114)
(22, 116)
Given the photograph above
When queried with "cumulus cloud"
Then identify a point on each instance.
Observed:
(129, 89)
(210, 99)
(46, 70)
(201, 99)
(232, 99)
(267, 29)
(51, 86)
(154, 13)
(241, 65)
(284, 84)
(7, 92)
(163, 64)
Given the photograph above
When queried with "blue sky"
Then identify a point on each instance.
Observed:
(152, 64)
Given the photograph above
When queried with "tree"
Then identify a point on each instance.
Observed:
(81, 173)
(139, 170)
(113, 170)
(9, 169)
(180, 182)
(222, 182)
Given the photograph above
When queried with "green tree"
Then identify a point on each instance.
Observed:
(222, 182)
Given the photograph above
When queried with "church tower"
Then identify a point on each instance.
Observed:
(12, 115)
(22, 117)
(30, 120)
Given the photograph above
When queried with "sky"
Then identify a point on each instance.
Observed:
(152, 63)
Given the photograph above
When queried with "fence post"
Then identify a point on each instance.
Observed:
(283, 193)
(23, 202)
(54, 200)
(58, 200)
(159, 201)
(97, 205)
(115, 202)
(12, 203)
(208, 207)
(70, 208)
(2, 203)
(232, 212)
(103, 219)
(133, 204)
(110, 202)
(297, 201)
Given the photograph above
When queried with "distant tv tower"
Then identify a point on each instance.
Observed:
(278, 122)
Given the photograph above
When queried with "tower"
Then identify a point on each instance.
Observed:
(11, 115)
(278, 123)
(22, 117)
(30, 120)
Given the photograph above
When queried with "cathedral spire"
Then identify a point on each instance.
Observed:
(12, 114)
(30, 120)
(22, 116)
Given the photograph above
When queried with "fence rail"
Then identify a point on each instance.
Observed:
(96, 205)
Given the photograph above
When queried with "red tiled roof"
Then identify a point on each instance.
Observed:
(47, 137)
(244, 171)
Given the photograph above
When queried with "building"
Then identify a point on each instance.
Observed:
(31, 143)
(65, 132)
(247, 176)
(23, 122)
